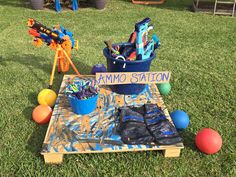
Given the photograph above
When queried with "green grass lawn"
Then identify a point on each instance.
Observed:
(199, 50)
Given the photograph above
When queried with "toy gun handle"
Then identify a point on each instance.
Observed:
(43, 29)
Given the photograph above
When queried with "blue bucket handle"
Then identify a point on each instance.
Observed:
(121, 57)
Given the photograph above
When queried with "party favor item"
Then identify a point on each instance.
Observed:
(83, 95)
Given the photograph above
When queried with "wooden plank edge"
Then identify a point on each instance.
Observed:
(53, 158)
(119, 150)
(172, 152)
(51, 120)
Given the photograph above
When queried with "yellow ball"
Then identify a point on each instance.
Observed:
(47, 97)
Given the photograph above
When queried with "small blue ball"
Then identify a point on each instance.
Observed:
(98, 68)
(180, 119)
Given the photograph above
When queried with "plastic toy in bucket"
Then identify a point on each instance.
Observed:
(83, 106)
(82, 95)
(114, 65)
(135, 55)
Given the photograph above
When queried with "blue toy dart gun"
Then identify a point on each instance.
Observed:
(60, 40)
(56, 35)
(144, 51)
(74, 5)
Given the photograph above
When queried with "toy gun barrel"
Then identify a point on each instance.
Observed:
(43, 29)
(142, 24)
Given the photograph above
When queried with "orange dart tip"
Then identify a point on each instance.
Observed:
(30, 22)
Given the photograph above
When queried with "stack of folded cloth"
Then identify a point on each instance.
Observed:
(146, 125)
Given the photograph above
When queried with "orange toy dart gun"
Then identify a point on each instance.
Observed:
(60, 40)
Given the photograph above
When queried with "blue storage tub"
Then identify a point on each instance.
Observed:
(116, 65)
(83, 106)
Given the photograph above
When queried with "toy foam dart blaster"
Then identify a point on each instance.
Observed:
(57, 35)
(58, 39)
(144, 48)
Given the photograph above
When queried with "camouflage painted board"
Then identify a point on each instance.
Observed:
(96, 132)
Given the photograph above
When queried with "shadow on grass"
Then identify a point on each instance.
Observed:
(35, 141)
(31, 62)
(15, 3)
(26, 4)
(188, 139)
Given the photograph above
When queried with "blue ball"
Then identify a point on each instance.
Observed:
(98, 68)
(180, 119)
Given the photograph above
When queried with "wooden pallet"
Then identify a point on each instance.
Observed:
(69, 133)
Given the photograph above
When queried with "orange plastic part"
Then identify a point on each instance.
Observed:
(37, 42)
(148, 2)
(34, 32)
(64, 64)
(30, 22)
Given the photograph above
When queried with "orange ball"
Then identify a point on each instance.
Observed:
(42, 114)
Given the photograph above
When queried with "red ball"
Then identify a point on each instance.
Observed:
(42, 114)
(208, 141)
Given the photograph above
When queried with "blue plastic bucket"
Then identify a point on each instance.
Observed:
(114, 65)
(83, 106)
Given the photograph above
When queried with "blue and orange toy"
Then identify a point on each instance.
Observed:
(59, 39)
(144, 48)
(138, 47)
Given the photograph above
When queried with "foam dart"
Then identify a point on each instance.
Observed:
(74, 88)
(132, 38)
(109, 46)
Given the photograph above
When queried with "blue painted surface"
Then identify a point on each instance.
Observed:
(69, 133)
